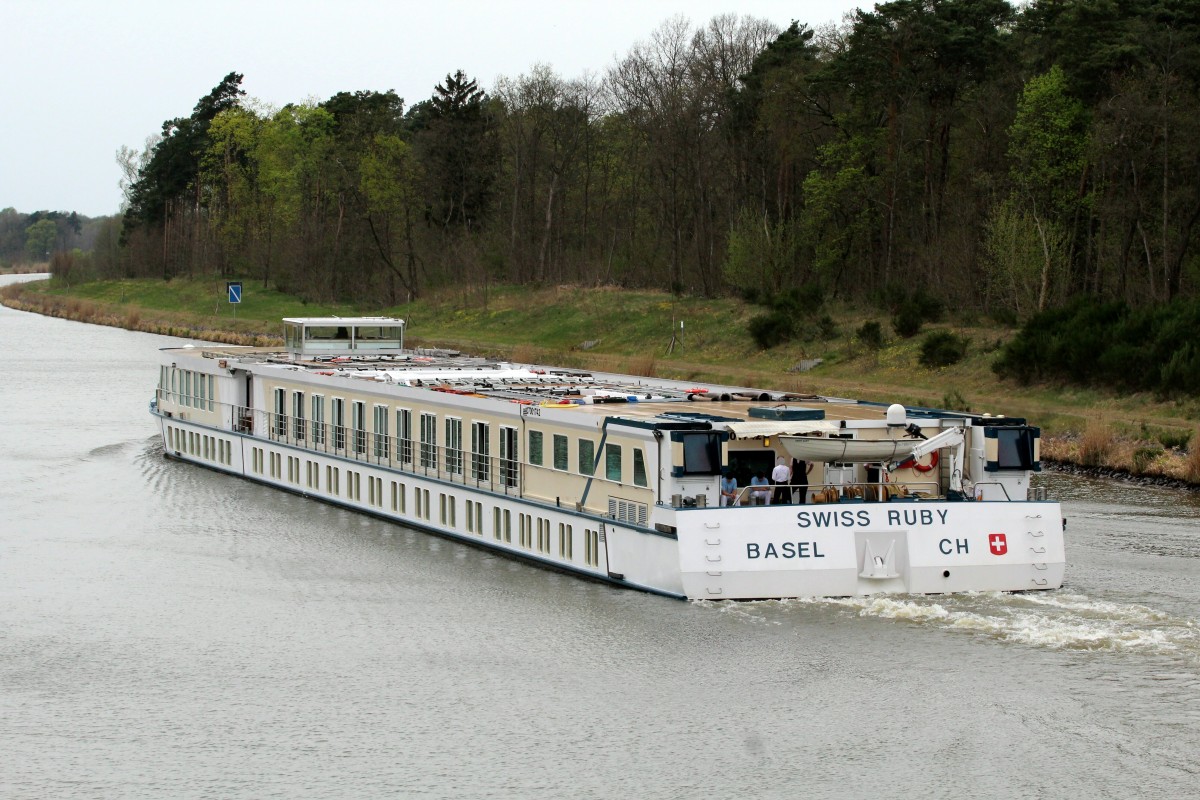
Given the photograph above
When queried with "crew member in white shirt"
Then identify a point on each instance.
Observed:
(781, 476)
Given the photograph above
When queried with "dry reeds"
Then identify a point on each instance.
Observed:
(642, 366)
(525, 354)
(1192, 464)
(1096, 445)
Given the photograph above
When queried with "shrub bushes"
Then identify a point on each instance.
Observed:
(908, 321)
(871, 335)
(790, 317)
(1108, 344)
(941, 349)
(771, 329)
(914, 310)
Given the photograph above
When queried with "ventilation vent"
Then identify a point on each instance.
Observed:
(627, 511)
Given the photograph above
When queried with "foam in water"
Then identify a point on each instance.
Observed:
(1057, 621)
(1062, 622)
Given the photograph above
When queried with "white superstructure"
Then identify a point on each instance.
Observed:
(620, 478)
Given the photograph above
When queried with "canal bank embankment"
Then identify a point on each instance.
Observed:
(1134, 437)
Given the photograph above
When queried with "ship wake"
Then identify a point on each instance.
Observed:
(1057, 621)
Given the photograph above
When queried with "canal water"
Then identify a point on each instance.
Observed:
(166, 631)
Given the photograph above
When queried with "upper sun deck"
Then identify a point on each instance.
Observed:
(653, 402)
(371, 349)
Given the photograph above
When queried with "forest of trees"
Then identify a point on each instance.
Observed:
(1000, 157)
(33, 238)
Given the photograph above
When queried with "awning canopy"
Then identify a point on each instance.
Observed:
(757, 429)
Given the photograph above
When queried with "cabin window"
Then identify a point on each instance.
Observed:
(358, 418)
(524, 533)
(535, 448)
(429, 457)
(381, 446)
(481, 462)
(454, 443)
(212, 395)
(404, 435)
(591, 547)
(298, 415)
(509, 468)
(565, 542)
(339, 423)
(612, 462)
(201, 394)
(587, 456)
(560, 452)
(318, 419)
(175, 383)
(639, 468)
(280, 412)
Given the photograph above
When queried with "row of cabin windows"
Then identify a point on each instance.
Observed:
(211, 448)
(189, 388)
(426, 450)
(586, 457)
(422, 508)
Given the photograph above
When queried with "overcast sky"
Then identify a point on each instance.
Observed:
(81, 78)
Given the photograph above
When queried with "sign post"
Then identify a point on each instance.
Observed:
(234, 290)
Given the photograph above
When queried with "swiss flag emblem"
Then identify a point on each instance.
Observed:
(999, 543)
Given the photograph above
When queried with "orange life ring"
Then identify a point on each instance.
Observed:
(933, 462)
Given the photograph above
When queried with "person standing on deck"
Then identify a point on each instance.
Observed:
(781, 476)
(800, 473)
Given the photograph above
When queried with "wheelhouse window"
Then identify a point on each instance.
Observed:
(612, 462)
(701, 454)
(587, 456)
(1015, 448)
(639, 468)
(535, 448)
(560, 452)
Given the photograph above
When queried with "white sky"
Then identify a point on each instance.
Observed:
(81, 78)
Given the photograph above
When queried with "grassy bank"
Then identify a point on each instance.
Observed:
(627, 331)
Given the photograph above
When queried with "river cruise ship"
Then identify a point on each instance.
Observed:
(646, 483)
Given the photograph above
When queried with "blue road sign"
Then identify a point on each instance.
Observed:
(235, 291)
